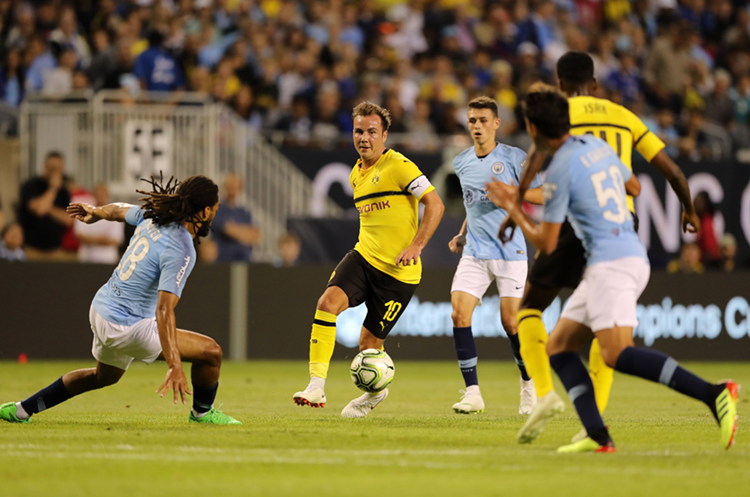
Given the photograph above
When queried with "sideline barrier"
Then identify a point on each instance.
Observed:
(44, 313)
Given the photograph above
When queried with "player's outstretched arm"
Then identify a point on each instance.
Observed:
(89, 214)
(676, 178)
(433, 213)
(534, 162)
(167, 326)
(543, 236)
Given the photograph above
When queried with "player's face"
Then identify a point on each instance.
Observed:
(369, 137)
(482, 125)
(209, 213)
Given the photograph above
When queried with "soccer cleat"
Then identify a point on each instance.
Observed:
(579, 436)
(528, 397)
(726, 412)
(546, 409)
(8, 413)
(469, 404)
(587, 445)
(362, 405)
(312, 396)
(214, 417)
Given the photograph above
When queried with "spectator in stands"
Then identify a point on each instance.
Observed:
(41, 213)
(67, 35)
(666, 131)
(689, 261)
(207, 251)
(741, 98)
(719, 105)
(12, 77)
(233, 225)
(297, 124)
(244, 105)
(99, 241)
(156, 69)
(422, 135)
(11, 243)
(706, 238)
(39, 60)
(666, 68)
(626, 80)
(694, 143)
(289, 249)
(59, 81)
(727, 252)
(104, 61)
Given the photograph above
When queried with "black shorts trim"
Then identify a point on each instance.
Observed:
(563, 267)
(386, 297)
(379, 194)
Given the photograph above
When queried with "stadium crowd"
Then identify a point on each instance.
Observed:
(293, 69)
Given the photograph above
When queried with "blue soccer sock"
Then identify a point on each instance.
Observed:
(466, 350)
(658, 367)
(516, 346)
(203, 398)
(574, 376)
(45, 398)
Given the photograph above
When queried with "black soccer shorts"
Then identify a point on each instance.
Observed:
(563, 267)
(385, 296)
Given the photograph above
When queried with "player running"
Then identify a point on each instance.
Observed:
(624, 131)
(384, 268)
(132, 315)
(586, 182)
(484, 258)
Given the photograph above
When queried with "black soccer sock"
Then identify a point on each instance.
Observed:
(466, 350)
(203, 398)
(46, 397)
(516, 346)
(658, 367)
(574, 376)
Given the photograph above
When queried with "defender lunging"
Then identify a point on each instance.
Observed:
(132, 315)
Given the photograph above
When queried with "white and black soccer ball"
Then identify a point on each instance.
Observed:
(372, 370)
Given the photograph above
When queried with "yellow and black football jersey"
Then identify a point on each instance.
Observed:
(387, 195)
(617, 126)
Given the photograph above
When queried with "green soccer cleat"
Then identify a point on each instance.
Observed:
(586, 445)
(214, 417)
(8, 413)
(726, 412)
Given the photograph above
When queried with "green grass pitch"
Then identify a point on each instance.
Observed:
(125, 440)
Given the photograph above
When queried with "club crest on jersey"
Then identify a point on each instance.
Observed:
(498, 168)
(376, 178)
(470, 197)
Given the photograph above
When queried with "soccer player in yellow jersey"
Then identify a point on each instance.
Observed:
(623, 131)
(384, 268)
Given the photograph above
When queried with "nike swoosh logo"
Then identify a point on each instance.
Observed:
(519, 287)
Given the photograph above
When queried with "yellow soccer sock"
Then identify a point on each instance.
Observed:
(602, 376)
(322, 341)
(533, 338)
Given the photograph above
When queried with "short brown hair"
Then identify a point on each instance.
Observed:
(484, 103)
(368, 109)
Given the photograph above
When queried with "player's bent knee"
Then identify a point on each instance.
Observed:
(509, 324)
(332, 303)
(214, 353)
(460, 318)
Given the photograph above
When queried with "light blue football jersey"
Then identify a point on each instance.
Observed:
(586, 182)
(159, 258)
(483, 218)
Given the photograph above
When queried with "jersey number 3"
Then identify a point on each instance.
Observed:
(616, 193)
(136, 252)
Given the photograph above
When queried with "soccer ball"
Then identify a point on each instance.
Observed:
(372, 370)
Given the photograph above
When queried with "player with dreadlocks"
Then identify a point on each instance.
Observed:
(132, 315)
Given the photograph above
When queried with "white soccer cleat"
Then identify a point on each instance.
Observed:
(362, 405)
(469, 404)
(546, 409)
(312, 396)
(528, 397)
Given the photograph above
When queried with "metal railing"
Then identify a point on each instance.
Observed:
(115, 138)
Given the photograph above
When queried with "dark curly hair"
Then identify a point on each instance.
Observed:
(177, 202)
